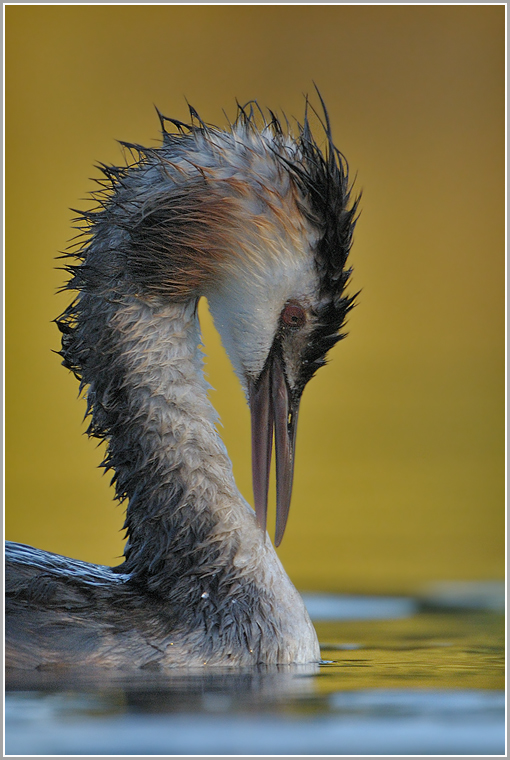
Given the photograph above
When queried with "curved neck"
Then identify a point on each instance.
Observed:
(150, 399)
(194, 548)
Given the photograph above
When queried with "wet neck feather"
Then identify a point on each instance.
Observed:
(149, 400)
(194, 546)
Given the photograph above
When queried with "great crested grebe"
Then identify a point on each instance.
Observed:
(259, 222)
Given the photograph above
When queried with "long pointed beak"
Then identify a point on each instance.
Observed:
(272, 408)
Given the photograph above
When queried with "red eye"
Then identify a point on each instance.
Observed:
(293, 316)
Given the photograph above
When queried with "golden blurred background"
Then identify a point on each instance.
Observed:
(400, 464)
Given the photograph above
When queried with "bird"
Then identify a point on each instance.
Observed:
(258, 218)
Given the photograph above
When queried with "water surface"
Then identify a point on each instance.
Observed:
(398, 677)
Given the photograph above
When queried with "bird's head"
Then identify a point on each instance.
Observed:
(279, 299)
(260, 221)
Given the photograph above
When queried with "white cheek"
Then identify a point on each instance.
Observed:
(245, 318)
(246, 309)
